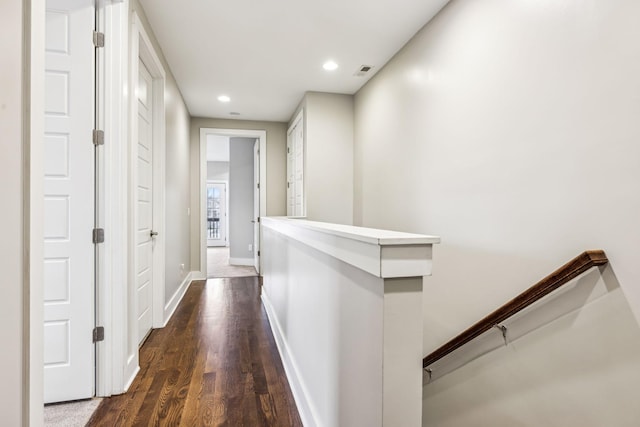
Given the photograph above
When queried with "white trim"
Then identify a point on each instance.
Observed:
(202, 213)
(33, 199)
(241, 261)
(142, 49)
(300, 392)
(129, 331)
(295, 121)
(198, 275)
(173, 302)
(113, 259)
(132, 377)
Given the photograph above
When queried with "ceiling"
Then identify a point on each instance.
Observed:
(265, 54)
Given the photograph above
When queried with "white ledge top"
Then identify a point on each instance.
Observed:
(383, 253)
(362, 234)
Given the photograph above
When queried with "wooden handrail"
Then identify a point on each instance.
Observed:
(561, 276)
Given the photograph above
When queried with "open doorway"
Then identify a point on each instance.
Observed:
(232, 201)
(217, 196)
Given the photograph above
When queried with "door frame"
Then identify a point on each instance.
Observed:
(142, 48)
(112, 255)
(261, 135)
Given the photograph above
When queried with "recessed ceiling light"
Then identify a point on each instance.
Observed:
(224, 98)
(330, 66)
(234, 113)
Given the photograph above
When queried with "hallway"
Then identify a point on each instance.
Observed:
(218, 265)
(215, 363)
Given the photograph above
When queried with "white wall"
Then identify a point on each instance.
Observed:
(11, 220)
(328, 167)
(178, 244)
(178, 227)
(21, 222)
(241, 199)
(276, 170)
(218, 171)
(510, 129)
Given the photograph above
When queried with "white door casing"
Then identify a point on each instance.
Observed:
(144, 201)
(256, 205)
(141, 50)
(217, 213)
(199, 206)
(69, 178)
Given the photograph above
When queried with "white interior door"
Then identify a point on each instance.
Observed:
(256, 205)
(295, 170)
(144, 201)
(216, 213)
(291, 195)
(298, 142)
(69, 178)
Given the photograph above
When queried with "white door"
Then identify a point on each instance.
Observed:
(144, 201)
(69, 201)
(298, 143)
(291, 194)
(216, 213)
(256, 205)
(295, 170)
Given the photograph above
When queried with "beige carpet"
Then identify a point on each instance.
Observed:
(218, 265)
(70, 414)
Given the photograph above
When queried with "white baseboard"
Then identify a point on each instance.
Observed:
(171, 306)
(130, 380)
(198, 275)
(298, 389)
(241, 261)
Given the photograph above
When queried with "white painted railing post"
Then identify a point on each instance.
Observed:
(402, 361)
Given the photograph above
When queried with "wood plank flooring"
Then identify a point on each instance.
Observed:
(214, 364)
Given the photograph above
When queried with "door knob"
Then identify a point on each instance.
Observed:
(153, 233)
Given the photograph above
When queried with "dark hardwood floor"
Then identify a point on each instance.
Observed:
(214, 364)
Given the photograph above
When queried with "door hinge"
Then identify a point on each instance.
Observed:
(258, 220)
(288, 150)
(98, 235)
(287, 185)
(258, 253)
(258, 184)
(98, 39)
(98, 137)
(98, 333)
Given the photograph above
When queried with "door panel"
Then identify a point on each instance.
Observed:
(295, 171)
(144, 220)
(69, 201)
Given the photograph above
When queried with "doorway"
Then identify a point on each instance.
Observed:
(253, 189)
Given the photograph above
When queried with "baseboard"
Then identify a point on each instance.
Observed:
(198, 275)
(171, 306)
(241, 261)
(298, 389)
(130, 380)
